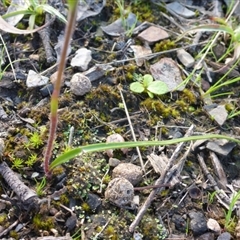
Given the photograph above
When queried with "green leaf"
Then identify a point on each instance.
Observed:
(52, 11)
(158, 87)
(147, 80)
(150, 94)
(65, 157)
(136, 87)
(31, 21)
(211, 28)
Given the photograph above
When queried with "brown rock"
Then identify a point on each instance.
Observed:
(129, 171)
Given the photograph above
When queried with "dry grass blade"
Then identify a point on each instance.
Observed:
(4, 26)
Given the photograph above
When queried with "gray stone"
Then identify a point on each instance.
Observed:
(198, 223)
(180, 9)
(219, 114)
(225, 236)
(120, 192)
(185, 58)
(206, 236)
(223, 149)
(167, 71)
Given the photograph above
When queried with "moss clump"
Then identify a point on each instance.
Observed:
(189, 96)
(158, 107)
(164, 46)
(110, 233)
(151, 228)
(64, 199)
(85, 207)
(3, 219)
(42, 223)
(14, 234)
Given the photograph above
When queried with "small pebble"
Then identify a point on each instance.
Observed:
(213, 225)
(153, 34)
(113, 162)
(180, 9)
(225, 236)
(219, 114)
(198, 223)
(71, 222)
(206, 236)
(129, 171)
(82, 58)
(47, 90)
(185, 58)
(115, 137)
(180, 222)
(80, 84)
(120, 192)
(93, 201)
(35, 80)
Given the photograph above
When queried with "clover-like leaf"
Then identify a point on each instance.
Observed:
(147, 80)
(136, 87)
(158, 87)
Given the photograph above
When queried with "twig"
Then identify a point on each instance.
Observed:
(27, 196)
(161, 180)
(70, 138)
(9, 58)
(131, 128)
(222, 197)
(44, 34)
(9, 228)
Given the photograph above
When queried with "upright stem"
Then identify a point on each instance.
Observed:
(72, 12)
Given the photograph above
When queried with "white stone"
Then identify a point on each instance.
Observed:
(82, 58)
(36, 80)
(213, 225)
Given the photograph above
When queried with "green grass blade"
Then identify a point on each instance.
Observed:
(105, 146)
(53, 11)
(12, 14)
(65, 157)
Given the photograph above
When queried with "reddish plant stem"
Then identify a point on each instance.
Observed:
(57, 87)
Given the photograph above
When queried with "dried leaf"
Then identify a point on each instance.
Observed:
(6, 27)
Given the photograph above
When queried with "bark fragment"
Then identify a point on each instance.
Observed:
(27, 196)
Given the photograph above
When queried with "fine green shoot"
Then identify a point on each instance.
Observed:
(72, 13)
(40, 186)
(228, 216)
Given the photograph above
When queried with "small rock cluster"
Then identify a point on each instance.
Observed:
(120, 190)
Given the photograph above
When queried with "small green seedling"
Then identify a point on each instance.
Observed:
(148, 85)
(228, 215)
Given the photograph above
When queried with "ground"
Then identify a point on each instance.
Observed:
(73, 201)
